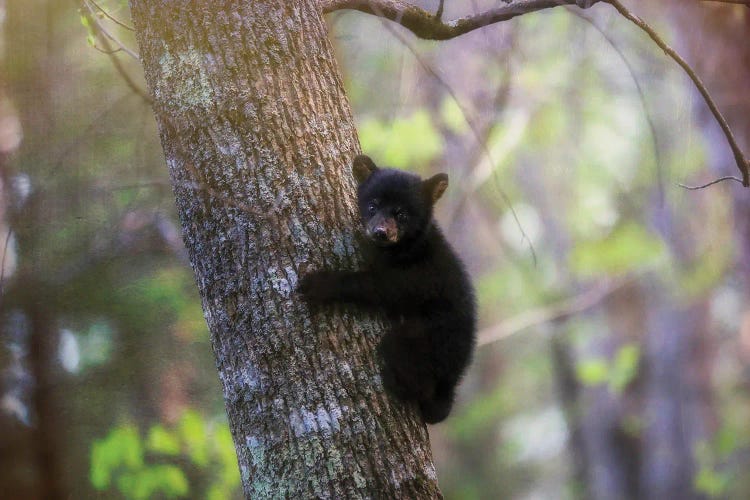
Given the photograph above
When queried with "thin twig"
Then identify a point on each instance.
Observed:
(641, 96)
(746, 3)
(106, 51)
(124, 74)
(425, 25)
(428, 26)
(742, 162)
(137, 185)
(93, 18)
(716, 181)
(473, 177)
(554, 312)
(111, 17)
(90, 15)
(5, 254)
(472, 125)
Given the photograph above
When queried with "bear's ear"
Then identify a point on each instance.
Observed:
(435, 186)
(362, 168)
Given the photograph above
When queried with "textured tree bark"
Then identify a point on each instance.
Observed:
(258, 136)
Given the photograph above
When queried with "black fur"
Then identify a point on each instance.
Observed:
(413, 276)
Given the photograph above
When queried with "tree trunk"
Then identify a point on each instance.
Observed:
(258, 137)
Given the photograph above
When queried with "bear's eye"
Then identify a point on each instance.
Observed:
(372, 207)
(401, 215)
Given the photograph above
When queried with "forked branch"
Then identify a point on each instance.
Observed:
(430, 27)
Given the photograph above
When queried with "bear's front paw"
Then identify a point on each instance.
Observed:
(318, 286)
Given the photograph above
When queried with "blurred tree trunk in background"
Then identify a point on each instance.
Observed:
(258, 137)
(48, 412)
(721, 31)
(16, 454)
(44, 339)
(673, 399)
(714, 39)
(605, 456)
(29, 315)
(640, 441)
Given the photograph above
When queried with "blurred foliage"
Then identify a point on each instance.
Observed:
(617, 374)
(562, 177)
(627, 248)
(166, 295)
(588, 160)
(143, 467)
(403, 142)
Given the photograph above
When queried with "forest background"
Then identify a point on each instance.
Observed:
(615, 329)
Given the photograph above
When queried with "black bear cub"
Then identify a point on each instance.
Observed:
(412, 275)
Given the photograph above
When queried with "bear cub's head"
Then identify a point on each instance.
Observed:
(396, 207)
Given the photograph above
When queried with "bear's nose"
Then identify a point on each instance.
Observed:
(380, 234)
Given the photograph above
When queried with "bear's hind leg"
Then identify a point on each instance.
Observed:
(407, 362)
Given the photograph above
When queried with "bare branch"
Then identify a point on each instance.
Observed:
(112, 53)
(739, 157)
(111, 17)
(429, 26)
(93, 18)
(715, 181)
(106, 51)
(746, 3)
(558, 311)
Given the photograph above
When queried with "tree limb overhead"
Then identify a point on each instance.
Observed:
(429, 26)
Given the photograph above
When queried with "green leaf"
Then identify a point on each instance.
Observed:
(550, 124)
(627, 248)
(133, 485)
(118, 460)
(159, 480)
(227, 456)
(215, 492)
(452, 116)
(160, 440)
(592, 371)
(192, 430)
(711, 483)
(101, 470)
(408, 143)
(121, 447)
(624, 367)
(170, 480)
(726, 441)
